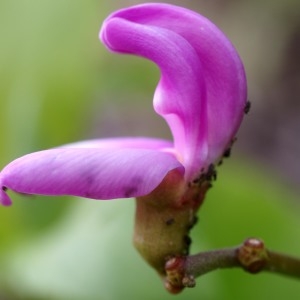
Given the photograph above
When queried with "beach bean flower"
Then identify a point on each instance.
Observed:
(201, 95)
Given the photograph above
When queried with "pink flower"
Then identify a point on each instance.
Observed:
(201, 95)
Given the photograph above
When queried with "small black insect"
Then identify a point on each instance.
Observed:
(193, 223)
(227, 152)
(170, 221)
(208, 176)
(187, 240)
(247, 107)
(211, 173)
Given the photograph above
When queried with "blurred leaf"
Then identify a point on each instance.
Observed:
(89, 255)
(49, 58)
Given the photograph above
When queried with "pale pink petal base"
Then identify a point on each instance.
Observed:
(90, 173)
(123, 142)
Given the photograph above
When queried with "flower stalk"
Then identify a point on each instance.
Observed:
(165, 217)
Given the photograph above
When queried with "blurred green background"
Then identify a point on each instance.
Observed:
(59, 84)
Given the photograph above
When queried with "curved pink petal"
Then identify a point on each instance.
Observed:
(91, 173)
(202, 91)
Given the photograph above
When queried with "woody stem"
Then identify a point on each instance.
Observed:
(252, 256)
(283, 264)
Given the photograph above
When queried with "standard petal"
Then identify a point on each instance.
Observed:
(202, 92)
(181, 80)
(91, 173)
